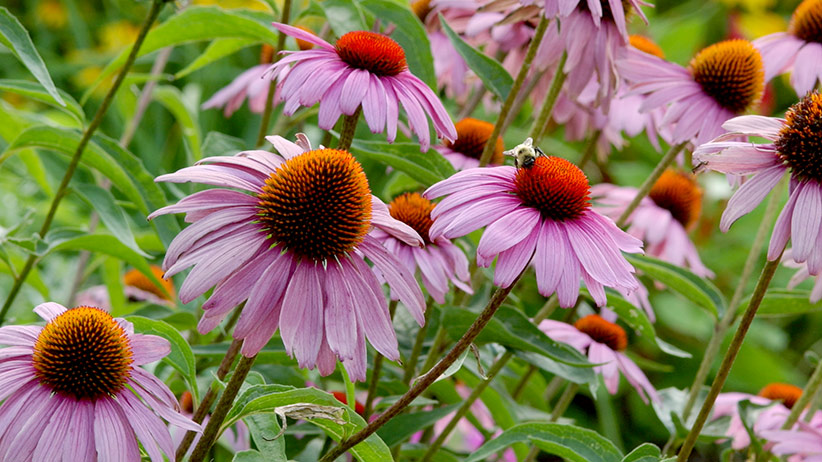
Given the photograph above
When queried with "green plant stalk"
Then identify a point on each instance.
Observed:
(439, 340)
(211, 430)
(725, 368)
(349, 127)
(590, 149)
(376, 371)
(411, 364)
(208, 398)
(350, 391)
(62, 190)
(429, 378)
(811, 389)
(539, 33)
(650, 181)
(538, 128)
(523, 382)
(269, 102)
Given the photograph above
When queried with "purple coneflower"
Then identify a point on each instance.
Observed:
(439, 261)
(250, 84)
(293, 243)
(662, 220)
(466, 150)
(603, 342)
(796, 148)
(799, 49)
(541, 211)
(803, 442)
(614, 10)
(71, 390)
(361, 69)
(723, 80)
(781, 397)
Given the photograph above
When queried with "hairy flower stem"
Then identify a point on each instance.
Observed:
(725, 368)
(208, 398)
(429, 378)
(547, 310)
(272, 86)
(377, 370)
(650, 181)
(223, 406)
(538, 128)
(411, 364)
(539, 33)
(814, 383)
(349, 127)
(62, 190)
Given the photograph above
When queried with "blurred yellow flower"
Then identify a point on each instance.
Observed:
(258, 5)
(115, 36)
(754, 25)
(52, 13)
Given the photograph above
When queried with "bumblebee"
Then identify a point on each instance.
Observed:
(525, 154)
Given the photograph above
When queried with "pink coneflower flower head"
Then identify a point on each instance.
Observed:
(251, 84)
(466, 150)
(540, 211)
(799, 49)
(72, 390)
(723, 80)
(604, 343)
(599, 11)
(362, 69)
(439, 261)
(780, 396)
(796, 147)
(801, 274)
(292, 242)
(803, 442)
(662, 220)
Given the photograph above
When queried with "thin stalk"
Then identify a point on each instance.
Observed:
(552, 389)
(350, 391)
(564, 401)
(349, 127)
(425, 381)
(375, 373)
(725, 368)
(650, 181)
(811, 389)
(538, 128)
(813, 406)
(539, 33)
(272, 86)
(523, 382)
(223, 406)
(466, 406)
(472, 103)
(590, 149)
(208, 398)
(439, 340)
(62, 190)
(411, 364)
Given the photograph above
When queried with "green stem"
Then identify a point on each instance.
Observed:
(725, 368)
(552, 389)
(564, 401)
(590, 149)
(349, 127)
(439, 340)
(429, 378)
(411, 364)
(350, 395)
(523, 382)
(375, 373)
(538, 128)
(62, 190)
(650, 181)
(223, 406)
(539, 33)
(811, 389)
(208, 398)
(269, 102)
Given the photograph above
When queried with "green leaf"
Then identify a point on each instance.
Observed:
(572, 443)
(16, 38)
(172, 99)
(220, 144)
(195, 24)
(410, 34)
(645, 452)
(263, 430)
(781, 302)
(218, 49)
(425, 167)
(266, 398)
(343, 16)
(181, 358)
(37, 92)
(415, 451)
(112, 215)
(270, 354)
(696, 289)
(403, 426)
(492, 74)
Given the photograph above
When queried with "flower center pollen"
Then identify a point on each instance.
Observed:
(372, 52)
(679, 194)
(415, 211)
(807, 21)
(603, 331)
(137, 279)
(317, 204)
(472, 134)
(83, 353)
(646, 45)
(555, 187)
(787, 393)
(800, 140)
(731, 73)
